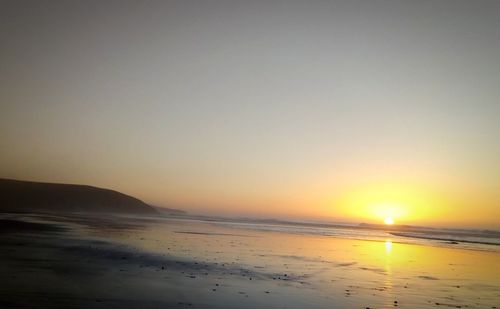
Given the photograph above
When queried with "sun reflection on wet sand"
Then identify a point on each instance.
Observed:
(388, 297)
(388, 246)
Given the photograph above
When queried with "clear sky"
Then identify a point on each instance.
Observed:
(345, 110)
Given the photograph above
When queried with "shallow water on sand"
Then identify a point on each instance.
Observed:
(103, 262)
(273, 268)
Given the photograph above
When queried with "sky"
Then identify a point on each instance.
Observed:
(329, 110)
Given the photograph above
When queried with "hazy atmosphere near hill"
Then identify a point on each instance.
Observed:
(330, 110)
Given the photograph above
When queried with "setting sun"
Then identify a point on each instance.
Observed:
(389, 221)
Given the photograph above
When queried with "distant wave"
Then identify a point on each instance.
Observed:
(447, 239)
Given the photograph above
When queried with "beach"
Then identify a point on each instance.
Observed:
(84, 261)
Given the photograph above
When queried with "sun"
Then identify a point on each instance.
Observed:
(389, 221)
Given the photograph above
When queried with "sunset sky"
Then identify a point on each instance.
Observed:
(329, 110)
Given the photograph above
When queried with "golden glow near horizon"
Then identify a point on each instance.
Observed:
(392, 202)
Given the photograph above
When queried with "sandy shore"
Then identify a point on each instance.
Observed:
(91, 262)
(53, 265)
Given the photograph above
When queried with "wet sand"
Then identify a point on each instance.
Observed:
(101, 262)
